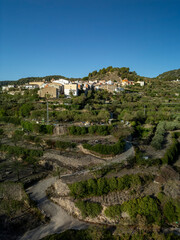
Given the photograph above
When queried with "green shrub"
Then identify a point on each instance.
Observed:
(169, 211)
(8, 119)
(176, 135)
(76, 130)
(145, 206)
(158, 139)
(96, 129)
(113, 184)
(29, 138)
(113, 211)
(114, 149)
(172, 153)
(141, 132)
(60, 144)
(64, 145)
(78, 189)
(104, 233)
(101, 186)
(92, 129)
(89, 209)
(91, 233)
(173, 125)
(91, 186)
(20, 151)
(33, 127)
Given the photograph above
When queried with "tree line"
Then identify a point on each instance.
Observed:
(105, 149)
(96, 129)
(101, 186)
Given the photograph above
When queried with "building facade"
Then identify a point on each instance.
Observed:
(49, 92)
(71, 89)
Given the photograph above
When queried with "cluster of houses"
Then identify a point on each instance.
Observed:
(55, 88)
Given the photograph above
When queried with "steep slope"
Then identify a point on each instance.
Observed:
(170, 75)
(113, 74)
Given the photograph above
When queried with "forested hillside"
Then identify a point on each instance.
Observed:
(170, 75)
(114, 74)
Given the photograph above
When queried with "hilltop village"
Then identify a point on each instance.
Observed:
(56, 88)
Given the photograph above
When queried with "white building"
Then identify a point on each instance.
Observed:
(6, 88)
(40, 84)
(61, 81)
(109, 82)
(119, 89)
(31, 86)
(71, 89)
(141, 83)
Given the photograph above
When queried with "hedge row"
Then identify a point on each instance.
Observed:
(33, 127)
(104, 149)
(171, 126)
(171, 211)
(8, 119)
(105, 233)
(161, 129)
(99, 130)
(153, 209)
(89, 209)
(60, 144)
(172, 153)
(145, 206)
(158, 138)
(20, 151)
(98, 187)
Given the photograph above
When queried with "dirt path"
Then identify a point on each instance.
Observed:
(129, 152)
(117, 159)
(60, 220)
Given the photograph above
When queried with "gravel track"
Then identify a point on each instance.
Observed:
(60, 220)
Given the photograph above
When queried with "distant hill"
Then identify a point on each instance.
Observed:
(35, 79)
(109, 73)
(3, 83)
(113, 74)
(39, 79)
(170, 75)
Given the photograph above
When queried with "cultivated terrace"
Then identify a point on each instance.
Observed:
(111, 139)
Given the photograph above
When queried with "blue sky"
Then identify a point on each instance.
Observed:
(75, 37)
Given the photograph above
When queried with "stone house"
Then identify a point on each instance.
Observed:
(71, 88)
(49, 91)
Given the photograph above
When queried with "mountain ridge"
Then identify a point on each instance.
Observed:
(109, 73)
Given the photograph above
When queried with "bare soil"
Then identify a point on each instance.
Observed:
(74, 159)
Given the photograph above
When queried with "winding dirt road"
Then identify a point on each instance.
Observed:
(60, 220)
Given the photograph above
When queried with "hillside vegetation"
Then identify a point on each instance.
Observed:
(170, 75)
(114, 74)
